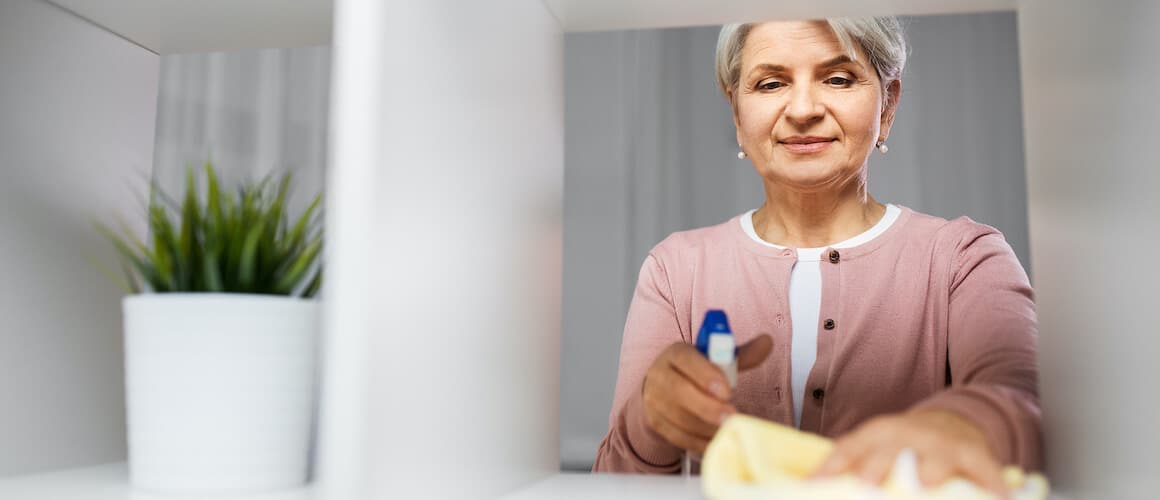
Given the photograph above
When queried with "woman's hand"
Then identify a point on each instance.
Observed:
(946, 445)
(686, 397)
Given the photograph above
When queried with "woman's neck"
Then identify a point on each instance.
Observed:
(810, 220)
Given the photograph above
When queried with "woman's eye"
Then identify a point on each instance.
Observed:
(770, 85)
(838, 81)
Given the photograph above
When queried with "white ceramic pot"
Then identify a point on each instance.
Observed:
(220, 390)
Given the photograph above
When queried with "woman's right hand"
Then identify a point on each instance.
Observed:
(686, 398)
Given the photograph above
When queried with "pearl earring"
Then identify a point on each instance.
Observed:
(881, 145)
(741, 155)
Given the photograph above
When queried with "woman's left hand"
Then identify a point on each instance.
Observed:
(946, 445)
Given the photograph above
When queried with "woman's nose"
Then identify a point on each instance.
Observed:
(803, 106)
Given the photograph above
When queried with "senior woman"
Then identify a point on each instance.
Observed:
(873, 324)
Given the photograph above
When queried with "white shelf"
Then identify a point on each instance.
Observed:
(111, 482)
(582, 486)
(108, 482)
(592, 15)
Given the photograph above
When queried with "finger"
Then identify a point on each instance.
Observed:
(676, 436)
(675, 414)
(984, 470)
(836, 463)
(706, 410)
(876, 466)
(697, 369)
(847, 453)
(683, 404)
(754, 352)
(933, 471)
(693, 424)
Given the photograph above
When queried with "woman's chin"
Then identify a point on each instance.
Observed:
(806, 177)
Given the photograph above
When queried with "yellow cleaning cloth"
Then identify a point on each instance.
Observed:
(751, 458)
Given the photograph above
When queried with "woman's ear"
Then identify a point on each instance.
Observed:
(893, 92)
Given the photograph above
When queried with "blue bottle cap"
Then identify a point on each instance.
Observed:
(715, 322)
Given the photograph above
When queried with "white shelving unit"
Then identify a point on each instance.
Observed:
(412, 382)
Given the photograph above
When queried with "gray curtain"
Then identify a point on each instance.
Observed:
(650, 149)
(251, 112)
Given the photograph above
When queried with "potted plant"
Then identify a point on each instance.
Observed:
(220, 338)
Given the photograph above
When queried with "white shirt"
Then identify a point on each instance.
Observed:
(805, 301)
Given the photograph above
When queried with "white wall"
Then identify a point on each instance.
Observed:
(1090, 109)
(444, 226)
(76, 131)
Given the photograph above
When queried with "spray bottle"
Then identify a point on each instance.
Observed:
(715, 341)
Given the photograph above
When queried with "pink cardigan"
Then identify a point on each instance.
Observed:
(931, 313)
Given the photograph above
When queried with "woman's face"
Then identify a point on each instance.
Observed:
(806, 114)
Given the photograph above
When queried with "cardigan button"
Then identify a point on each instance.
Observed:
(819, 394)
(828, 324)
(834, 256)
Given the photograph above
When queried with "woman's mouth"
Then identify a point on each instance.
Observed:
(806, 144)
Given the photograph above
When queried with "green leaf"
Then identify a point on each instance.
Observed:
(213, 278)
(248, 259)
(165, 251)
(297, 271)
(298, 231)
(315, 284)
(214, 212)
(134, 286)
(137, 261)
(189, 244)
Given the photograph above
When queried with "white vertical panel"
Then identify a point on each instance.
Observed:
(446, 223)
(357, 97)
(1090, 107)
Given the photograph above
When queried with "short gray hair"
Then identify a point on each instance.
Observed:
(881, 38)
